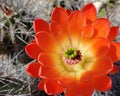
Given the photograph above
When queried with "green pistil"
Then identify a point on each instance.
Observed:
(71, 53)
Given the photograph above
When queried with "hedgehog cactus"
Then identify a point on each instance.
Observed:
(14, 31)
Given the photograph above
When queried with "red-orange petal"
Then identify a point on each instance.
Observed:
(52, 87)
(49, 59)
(33, 50)
(61, 36)
(77, 22)
(41, 84)
(113, 33)
(114, 70)
(60, 16)
(87, 32)
(40, 25)
(46, 42)
(33, 69)
(114, 52)
(55, 29)
(90, 12)
(97, 66)
(66, 80)
(49, 73)
(68, 11)
(100, 47)
(80, 89)
(102, 83)
(87, 75)
(102, 27)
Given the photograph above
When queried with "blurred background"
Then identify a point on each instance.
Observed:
(16, 30)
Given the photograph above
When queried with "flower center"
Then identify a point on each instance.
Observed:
(72, 56)
(71, 53)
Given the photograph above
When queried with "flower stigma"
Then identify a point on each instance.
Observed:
(72, 56)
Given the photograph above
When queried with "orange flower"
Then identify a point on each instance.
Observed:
(74, 53)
